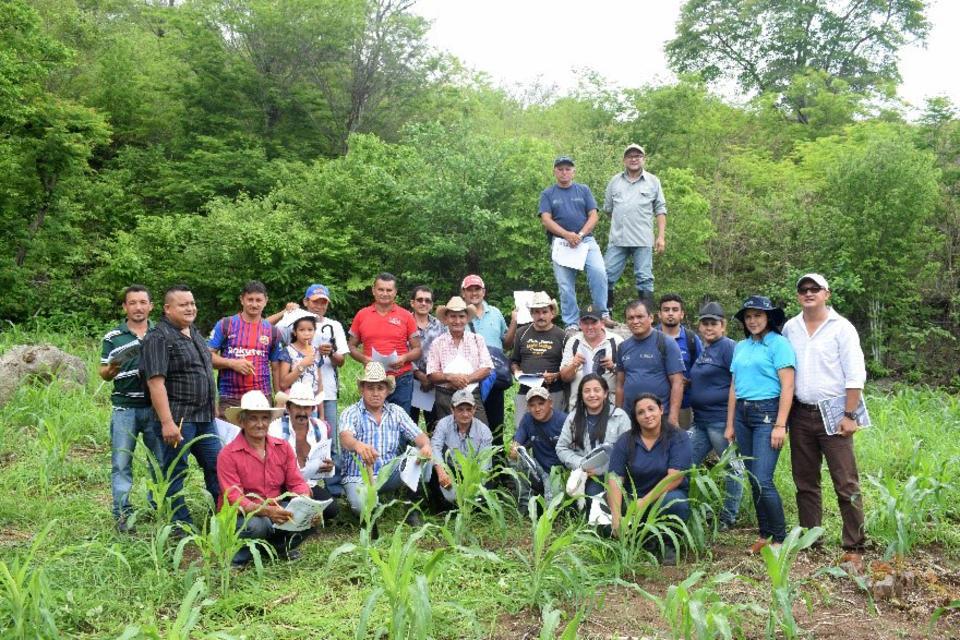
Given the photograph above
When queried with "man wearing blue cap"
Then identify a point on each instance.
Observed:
(568, 211)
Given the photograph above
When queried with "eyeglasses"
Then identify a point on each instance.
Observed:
(426, 300)
(811, 289)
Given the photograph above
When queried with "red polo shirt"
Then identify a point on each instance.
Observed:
(241, 471)
(385, 333)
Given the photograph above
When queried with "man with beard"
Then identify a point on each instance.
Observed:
(671, 324)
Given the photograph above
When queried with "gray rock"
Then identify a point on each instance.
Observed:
(38, 362)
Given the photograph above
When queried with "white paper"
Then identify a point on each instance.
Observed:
(324, 451)
(584, 351)
(387, 360)
(304, 511)
(831, 410)
(598, 516)
(530, 379)
(423, 399)
(410, 468)
(520, 301)
(226, 431)
(461, 366)
(566, 256)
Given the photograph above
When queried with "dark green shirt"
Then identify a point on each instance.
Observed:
(127, 386)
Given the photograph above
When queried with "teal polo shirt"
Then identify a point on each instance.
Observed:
(756, 363)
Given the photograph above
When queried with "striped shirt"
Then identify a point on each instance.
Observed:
(257, 342)
(185, 364)
(395, 425)
(127, 386)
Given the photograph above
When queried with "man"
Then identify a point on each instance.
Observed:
(489, 323)
(633, 199)
(329, 341)
(255, 469)
(391, 331)
(421, 302)
(829, 364)
(592, 350)
(538, 432)
(131, 413)
(243, 346)
(648, 361)
(457, 360)
(176, 364)
(568, 212)
(538, 351)
(371, 432)
(671, 324)
(460, 431)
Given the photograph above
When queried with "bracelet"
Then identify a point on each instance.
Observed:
(781, 426)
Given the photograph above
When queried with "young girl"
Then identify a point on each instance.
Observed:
(300, 361)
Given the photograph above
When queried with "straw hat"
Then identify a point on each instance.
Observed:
(374, 372)
(456, 303)
(251, 401)
(301, 394)
(540, 300)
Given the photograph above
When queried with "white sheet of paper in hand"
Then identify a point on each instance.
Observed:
(520, 300)
(304, 510)
(411, 469)
(566, 256)
(422, 399)
(461, 366)
(324, 450)
(530, 379)
(584, 352)
(386, 360)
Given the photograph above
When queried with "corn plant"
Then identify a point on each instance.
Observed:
(219, 539)
(406, 590)
(706, 497)
(783, 591)
(159, 479)
(693, 611)
(550, 623)
(370, 506)
(898, 515)
(474, 500)
(188, 615)
(26, 599)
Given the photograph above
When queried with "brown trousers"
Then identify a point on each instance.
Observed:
(809, 445)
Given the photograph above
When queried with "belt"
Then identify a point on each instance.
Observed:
(805, 407)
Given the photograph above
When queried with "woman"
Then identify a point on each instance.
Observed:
(761, 393)
(709, 398)
(593, 423)
(651, 451)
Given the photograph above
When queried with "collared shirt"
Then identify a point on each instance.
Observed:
(127, 386)
(395, 425)
(428, 334)
(756, 363)
(646, 368)
(830, 361)
(242, 471)
(618, 423)
(185, 364)
(237, 339)
(471, 348)
(447, 438)
(318, 433)
(578, 343)
(386, 334)
(633, 205)
(647, 467)
(490, 325)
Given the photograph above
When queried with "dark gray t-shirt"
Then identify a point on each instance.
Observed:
(539, 352)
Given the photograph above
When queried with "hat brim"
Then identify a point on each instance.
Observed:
(552, 305)
(390, 381)
(442, 312)
(776, 315)
(232, 414)
(301, 402)
(710, 316)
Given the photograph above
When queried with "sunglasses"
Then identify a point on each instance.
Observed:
(427, 300)
(811, 289)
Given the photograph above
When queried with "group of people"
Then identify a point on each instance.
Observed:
(624, 413)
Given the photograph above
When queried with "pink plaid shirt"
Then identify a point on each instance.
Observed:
(471, 346)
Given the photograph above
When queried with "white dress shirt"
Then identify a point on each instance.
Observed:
(828, 362)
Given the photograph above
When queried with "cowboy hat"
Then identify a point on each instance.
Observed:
(540, 300)
(374, 372)
(301, 394)
(456, 303)
(251, 401)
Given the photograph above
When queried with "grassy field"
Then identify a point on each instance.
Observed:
(65, 571)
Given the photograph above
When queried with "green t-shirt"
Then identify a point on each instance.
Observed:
(127, 386)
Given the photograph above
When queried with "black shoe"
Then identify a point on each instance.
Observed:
(125, 526)
(292, 555)
(669, 557)
(414, 519)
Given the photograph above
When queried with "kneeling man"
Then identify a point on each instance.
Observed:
(460, 431)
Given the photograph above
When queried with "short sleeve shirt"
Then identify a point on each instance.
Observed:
(127, 386)
(329, 331)
(633, 205)
(386, 334)
(447, 439)
(428, 334)
(491, 326)
(542, 437)
(539, 352)
(710, 381)
(646, 369)
(311, 375)
(386, 436)
(756, 363)
(471, 349)
(185, 364)
(258, 342)
(568, 207)
(647, 467)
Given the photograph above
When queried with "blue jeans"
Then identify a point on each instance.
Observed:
(616, 260)
(753, 423)
(705, 436)
(260, 527)
(596, 281)
(403, 393)
(125, 425)
(330, 413)
(204, 450)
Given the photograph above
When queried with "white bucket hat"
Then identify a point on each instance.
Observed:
(301, 394)
(251, 401)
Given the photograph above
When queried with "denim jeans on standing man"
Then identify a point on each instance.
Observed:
(707, 436)
(753, 423)
(126, 423)
(596, 282)
(616, 261)
(403, 393)
(205, 450)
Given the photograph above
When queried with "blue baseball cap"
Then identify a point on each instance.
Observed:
(315, 291)
(564, 160)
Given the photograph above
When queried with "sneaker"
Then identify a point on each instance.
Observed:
(758, 545)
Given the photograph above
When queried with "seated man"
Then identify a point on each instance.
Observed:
(371, 433)
(312, 442)
(254, 470)
(538, 432)
(460, 431)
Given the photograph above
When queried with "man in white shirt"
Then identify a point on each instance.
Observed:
(592, 350)
(829, 364)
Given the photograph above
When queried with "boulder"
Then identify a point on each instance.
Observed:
(40, 362)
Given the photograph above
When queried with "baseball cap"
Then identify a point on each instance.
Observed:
(713, 311)
(564, 160)
(590, 312)
(315, 291)
(634, 147)
(472, 280)
(462, 396)
(538, 392)
(816, 277)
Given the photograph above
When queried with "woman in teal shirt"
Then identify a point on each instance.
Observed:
(761, 393)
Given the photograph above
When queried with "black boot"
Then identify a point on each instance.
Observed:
(647, 296)
(610, 298)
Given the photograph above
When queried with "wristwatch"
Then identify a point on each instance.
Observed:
(850, 414)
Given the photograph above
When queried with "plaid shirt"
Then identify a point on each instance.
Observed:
(432, 331)
(185, 364)
(395, 426)
(472, 347)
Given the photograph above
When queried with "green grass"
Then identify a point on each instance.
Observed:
(91, 582)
